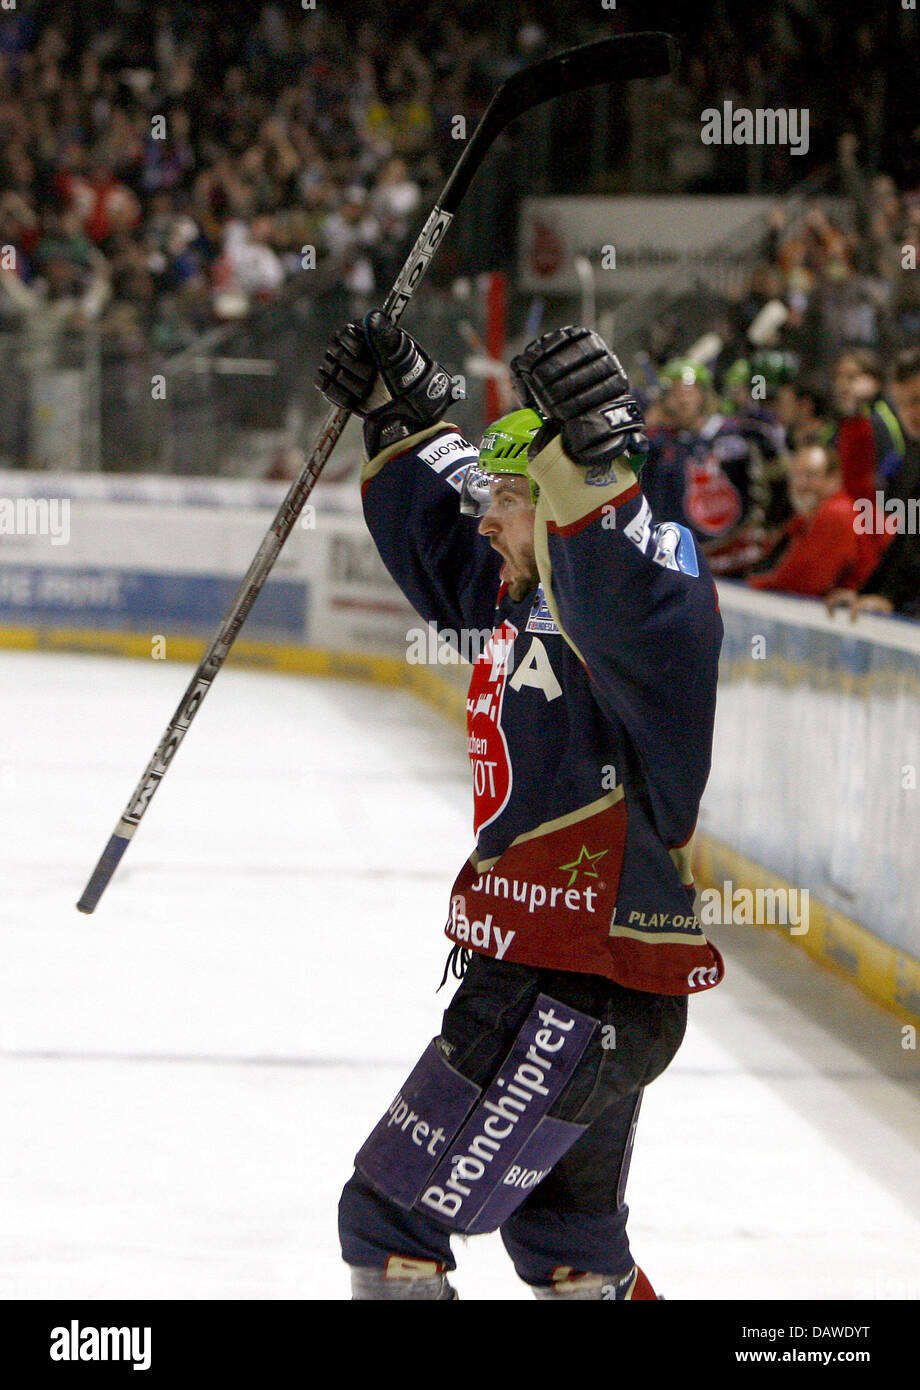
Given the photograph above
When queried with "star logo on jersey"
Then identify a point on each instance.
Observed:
(584, 857)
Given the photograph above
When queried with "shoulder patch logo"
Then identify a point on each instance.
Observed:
(601, 474)
(668, 544)
(675, 549)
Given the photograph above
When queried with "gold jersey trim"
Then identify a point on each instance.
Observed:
(594, 808)
(371, 467)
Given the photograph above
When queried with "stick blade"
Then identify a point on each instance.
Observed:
(616, 59)
(613, 60)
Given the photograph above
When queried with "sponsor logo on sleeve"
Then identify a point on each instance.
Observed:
(449, 454)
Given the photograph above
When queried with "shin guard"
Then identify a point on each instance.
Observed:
(468, 1157)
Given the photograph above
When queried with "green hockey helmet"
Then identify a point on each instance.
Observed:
(738, 374)
(777, 368)
(681, 369)
(503, 451)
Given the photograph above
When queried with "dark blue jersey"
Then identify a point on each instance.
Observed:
(590, 712)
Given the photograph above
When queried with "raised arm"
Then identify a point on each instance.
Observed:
(413, 472)
(633, 598)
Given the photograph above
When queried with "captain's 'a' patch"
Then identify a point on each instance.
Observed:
(540, 620)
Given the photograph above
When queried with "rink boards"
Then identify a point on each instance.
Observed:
(816, 764)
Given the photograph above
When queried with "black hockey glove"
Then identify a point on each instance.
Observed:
(380, 372)
(576, 383)
(348, 371)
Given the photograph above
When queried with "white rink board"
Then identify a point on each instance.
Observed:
(165, 556)
(816, 757)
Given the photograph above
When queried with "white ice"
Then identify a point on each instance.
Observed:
(186, 1074)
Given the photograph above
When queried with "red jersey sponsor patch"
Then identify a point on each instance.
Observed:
(487, 745)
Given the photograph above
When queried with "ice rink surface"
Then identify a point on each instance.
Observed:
(187, 1074)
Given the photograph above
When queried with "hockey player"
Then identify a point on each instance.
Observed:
(590, 718)
(718, 475)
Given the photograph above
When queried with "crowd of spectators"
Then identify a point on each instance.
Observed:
(164, 168)
(167, 169)
(850, 70)
(789, 486)
(789, 438)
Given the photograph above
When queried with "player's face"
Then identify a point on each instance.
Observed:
(853, 385)
(684, 404)
(508, 525)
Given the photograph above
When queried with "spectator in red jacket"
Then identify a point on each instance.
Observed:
(893, 586)
(820, 549)
(870, 439)
(102, 203)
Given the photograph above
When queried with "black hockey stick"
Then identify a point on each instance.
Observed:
(609, 60)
